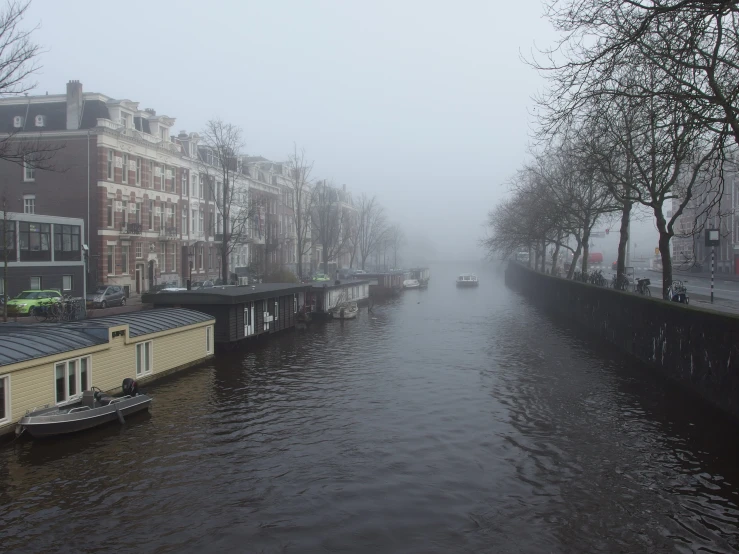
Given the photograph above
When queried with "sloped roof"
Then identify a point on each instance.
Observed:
(21, 343)
(55, 115)
(26, 341)
(146, 322)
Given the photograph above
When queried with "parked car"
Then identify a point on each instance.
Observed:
(321, 277)
(104, 297)
(28, 300)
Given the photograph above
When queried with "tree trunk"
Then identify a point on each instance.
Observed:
(575, 258)
(623, 241)
(585, 250)
(664, 251)
(543, 256)
(555, 255)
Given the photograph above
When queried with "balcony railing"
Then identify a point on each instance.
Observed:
(169, 233)
(131, 228)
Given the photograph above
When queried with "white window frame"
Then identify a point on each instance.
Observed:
(77, 377)
(209, 339)
(71, 282)
(125, 260)
(140, 356)
(6, 399)
(29, 172)
(111, 167)
(138, 171)
(31, 287)
(139, 250)
(29, 204)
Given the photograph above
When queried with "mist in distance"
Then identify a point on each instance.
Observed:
(422, 103)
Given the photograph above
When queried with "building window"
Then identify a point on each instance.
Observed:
(185, 192)
(174, 257)
(40, 121)
(201, 188)
(210, 258)
(4, 398)
(139, 249)
(193, 222)
(151, 174)
(109, 209)
(143, 358)
(138, 213)
(163, 180)
(209, 339)
(111, 260)
(66, 282)
(194, 183)
(138, 171)
(35, 283)
(124, 171)
(163, 256)
(295, 303)
(151, 215)
(67, 242)
(29, 169)
(18, 121)
(124, 260)
(35, 241)
(200, 258)
(200, 224)
(71, 378)
(110, 165)
(29, 204)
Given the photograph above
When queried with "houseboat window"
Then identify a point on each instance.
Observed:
(71, 378)
(4, 398)
(208, 333)
(277, 309)
(143, 358)
(295, 304)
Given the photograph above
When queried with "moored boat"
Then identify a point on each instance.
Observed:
(345, 310)
(92, 409)
(467, 280)
(411, 284)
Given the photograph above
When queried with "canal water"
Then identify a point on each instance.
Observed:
(448, 420)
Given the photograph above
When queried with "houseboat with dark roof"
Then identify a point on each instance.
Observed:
(422, 275)
(325, 297)
(242, 311)
(386, 284)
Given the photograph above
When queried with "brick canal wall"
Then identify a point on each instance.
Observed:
(696, 347)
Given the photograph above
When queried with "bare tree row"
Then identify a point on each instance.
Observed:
(640, 110)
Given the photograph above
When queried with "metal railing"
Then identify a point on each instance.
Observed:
(131, 228)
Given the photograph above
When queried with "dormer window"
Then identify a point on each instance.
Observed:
(165, 134)
(40, 121)
(18, 121)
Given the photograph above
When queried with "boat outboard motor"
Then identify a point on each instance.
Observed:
(130, 387)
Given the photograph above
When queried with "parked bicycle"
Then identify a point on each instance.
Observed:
(65, 309)
(678, 292)
(642, 287)
(596, 278)
(620, 283)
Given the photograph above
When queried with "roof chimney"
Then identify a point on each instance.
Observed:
(74, 104)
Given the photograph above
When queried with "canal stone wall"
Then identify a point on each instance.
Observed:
(696, 347)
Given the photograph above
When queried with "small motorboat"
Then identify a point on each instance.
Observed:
(411, 284)
(467, 280)
(345, 310)
(93, 408)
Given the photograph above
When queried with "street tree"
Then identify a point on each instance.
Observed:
(302, 200)
(220, 162)
(329, 219)
(371, 226)
(396, 238)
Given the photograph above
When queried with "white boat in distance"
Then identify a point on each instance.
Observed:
(467, 280)
(411, 284)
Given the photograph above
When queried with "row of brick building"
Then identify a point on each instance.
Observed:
(146, 198)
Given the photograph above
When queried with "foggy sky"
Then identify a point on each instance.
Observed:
(422, 103)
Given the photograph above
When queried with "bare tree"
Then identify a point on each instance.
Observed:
(371, 226)
(329, 218)
(220, 159)
(690, 46)
(396, 238)
(302, 198)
